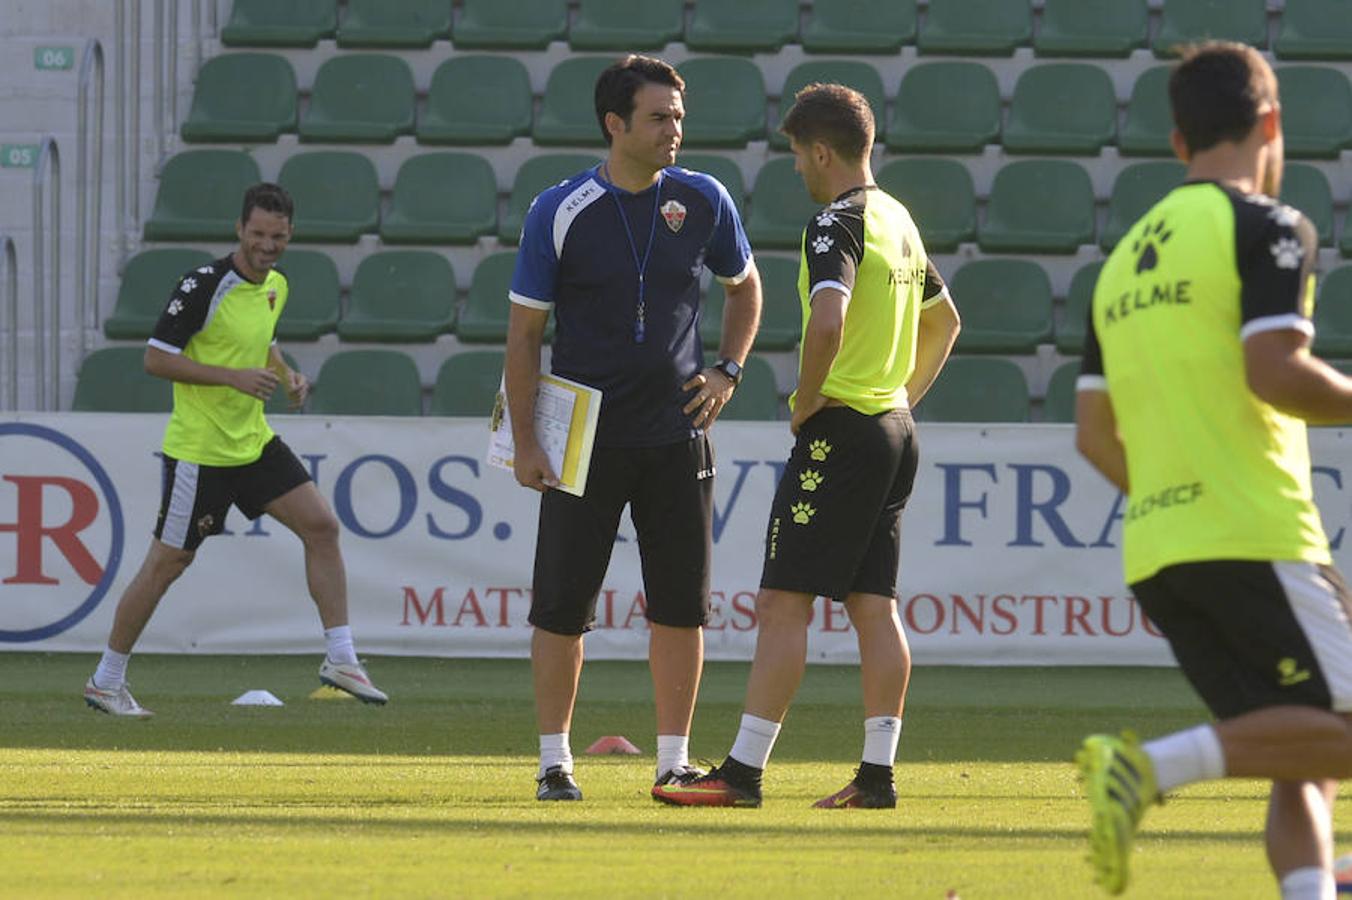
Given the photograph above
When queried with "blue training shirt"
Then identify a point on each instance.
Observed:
(581, 258)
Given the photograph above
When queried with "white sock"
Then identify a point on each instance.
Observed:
(1185, 757)
(673, 751)
(1309, 883)
(340, 649)
(555, 751)
(881, 734)
(755, 740)
(112, 671)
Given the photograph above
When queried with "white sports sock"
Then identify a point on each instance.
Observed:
(340, 648)
(881, 734)
(673, 751)
(755, 740)
(1185, 757)
(555, 751)
(1309, 883)
(112, 671)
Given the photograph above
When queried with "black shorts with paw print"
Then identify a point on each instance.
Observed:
(835, 523)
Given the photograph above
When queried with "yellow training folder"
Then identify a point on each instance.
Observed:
(566, 414)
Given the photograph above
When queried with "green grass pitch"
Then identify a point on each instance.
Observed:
(432, 796)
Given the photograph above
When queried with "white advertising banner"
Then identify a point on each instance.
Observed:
(1010, 546)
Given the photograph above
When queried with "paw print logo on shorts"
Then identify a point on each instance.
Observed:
(810, 479)
(822, 243)
(819, 450)
(802, 513)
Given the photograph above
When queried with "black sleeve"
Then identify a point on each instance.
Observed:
(833, 245)
(1275, 252)
(1091, 362)
(935, 286)
(186, 312)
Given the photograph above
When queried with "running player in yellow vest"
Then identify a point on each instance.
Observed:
(1196, 387)
(215, 342)
(878, 327)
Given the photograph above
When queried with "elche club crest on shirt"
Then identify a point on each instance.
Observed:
(272, 299)
(674, 213)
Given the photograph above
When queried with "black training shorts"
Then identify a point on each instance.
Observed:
(835, 523)
(195, 498)
(1250, 635)
(670, 492)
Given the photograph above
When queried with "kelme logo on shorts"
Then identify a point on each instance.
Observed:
(1289, 673)
(809, 479)
(819, 450)
(802, 513)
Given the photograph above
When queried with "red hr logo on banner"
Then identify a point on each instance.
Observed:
(42, 500)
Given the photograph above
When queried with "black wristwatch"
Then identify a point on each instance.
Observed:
(730, 368)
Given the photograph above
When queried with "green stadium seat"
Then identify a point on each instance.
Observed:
(1092, 27)
(279, 404)
(625, 25)
(756, 398)
(746, 26)
(1316, 110)
(859, 26)
(724, 102)
(511, 24)
(267, 23)
(1145, 131)
(976, 389)
(946, 107)
(367, 383)
(1315, 29)
(568, 111)
(477, 99)
(400, 296)
(721, 167)
(1005, 304)
(114, 379)
(311, 309)
(397, 24)
(1038, 206)
(1189, 21)
(976, 27)
(337, 195)
(861, 76)
(363, 98)
(536, 174)
(781, 309)
(440, 198)
(1061, 108)
(780, 207)
(1070, 333)
(467, 384)
(200, 194)
(1059, 403)
(242, 97)
(1307, 189)
(484, 319)
(148, 281)
(1137, 187)
(1333, 315)
(940, 196)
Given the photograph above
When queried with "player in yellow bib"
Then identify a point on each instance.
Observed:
(878, 327)
(215, 342)
(1196, 387)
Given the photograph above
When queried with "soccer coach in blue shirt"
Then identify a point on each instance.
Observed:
(617, 252)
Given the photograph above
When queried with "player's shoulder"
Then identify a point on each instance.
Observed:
(203, 280)
(1260, 216)
(571, 191)
(702, 183)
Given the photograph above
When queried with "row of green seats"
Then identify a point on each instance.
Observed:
(369, 382)
(947, 107)
(1034, 206)
(1307, 29)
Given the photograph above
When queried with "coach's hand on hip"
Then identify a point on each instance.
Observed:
(532, 469)
(713, 389)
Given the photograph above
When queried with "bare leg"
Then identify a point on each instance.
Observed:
(556, 666)
(1287, 743)
(781, 652)
(162, 566)
(1300, 826)
(304, 511)
(884, 657)
(676, 659)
